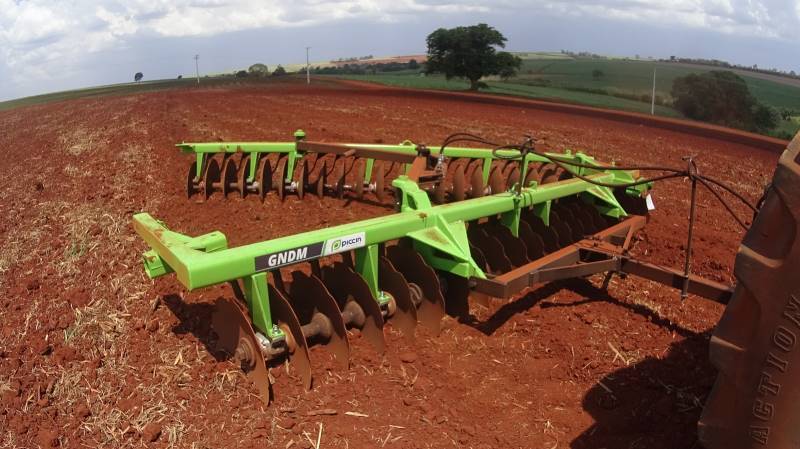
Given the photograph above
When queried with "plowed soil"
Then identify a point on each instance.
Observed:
(94, 354)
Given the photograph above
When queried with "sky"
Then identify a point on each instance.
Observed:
(53, 45)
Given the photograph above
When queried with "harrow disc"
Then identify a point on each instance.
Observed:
(575, 226)
(513, 247)
(548, 234)
(264, 177)
(210, 177)
(456, 294)
(475, 175)
(497, 182)
(297, 347)
(562, 229)
(379, 173)
(280, 182)
(303, 181)
(228, 176)
(358, 182)
(244, 172)
(192, 180)
(347, 286)
(549, 173)
(532, 175)
(418, 273)
(511, 175)
(318, 310)
(459, 191)
(319, 184)
(533, 241)
(392, 282)
(237, 339)
(491, 248)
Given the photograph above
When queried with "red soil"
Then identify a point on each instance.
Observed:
(94, 354)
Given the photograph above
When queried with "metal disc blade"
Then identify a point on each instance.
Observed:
(562, 229)
(476, 182)
(228, 176)
(347, 285)
(598, 220)
(413, 267)
(244, 172)
(456, 294)
(210, 177)
(533, 241)
(337, 173)
(303, 181)
(491, 248)
(478, 257)
(580, 212)
(358, 182)
(238, 340)
(318, 186)
(380, 180)
(566, 215)
(513, 247)
(497, 183)
(511, 176)
(264, 177)
(532, 174)
(547, 233)
(280, 178)
(283, 315)
(310, 291)
(191, 189)
(549, 173)
(459, 191)
(392, 282)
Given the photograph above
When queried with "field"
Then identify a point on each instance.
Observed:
(93, 354)
(625, 84)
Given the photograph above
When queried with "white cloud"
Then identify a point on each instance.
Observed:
(34, 33)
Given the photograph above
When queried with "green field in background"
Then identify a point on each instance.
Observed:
(625, 84)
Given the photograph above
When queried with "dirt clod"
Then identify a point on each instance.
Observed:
(151, 432)
(408, 357)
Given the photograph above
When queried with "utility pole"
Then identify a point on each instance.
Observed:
(197, 68)
(653, 96)
(308, 68)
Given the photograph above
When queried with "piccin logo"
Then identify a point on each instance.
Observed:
(345, 243)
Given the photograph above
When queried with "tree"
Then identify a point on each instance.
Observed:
(413, 64)
(241, 74)
(469, 52)
(721, 97)
(279, 71)
(597, 74)
(138, 77)
(258, 70)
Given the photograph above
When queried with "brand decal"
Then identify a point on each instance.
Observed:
(308, 252)
(345, 243)
(288, 257)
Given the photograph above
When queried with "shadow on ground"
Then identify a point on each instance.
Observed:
(194, 319)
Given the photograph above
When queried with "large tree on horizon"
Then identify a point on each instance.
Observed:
(470, 52)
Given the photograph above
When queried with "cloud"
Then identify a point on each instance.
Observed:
(36, 33)
(33, 33)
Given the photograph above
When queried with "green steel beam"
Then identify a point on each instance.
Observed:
(203, 261)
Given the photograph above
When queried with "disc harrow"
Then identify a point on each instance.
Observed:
(359, 171)
(513, 219)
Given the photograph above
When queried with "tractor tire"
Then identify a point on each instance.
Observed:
(755, 402)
